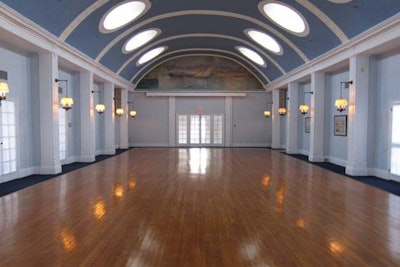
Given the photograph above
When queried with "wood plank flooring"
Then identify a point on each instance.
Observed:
(200, 207)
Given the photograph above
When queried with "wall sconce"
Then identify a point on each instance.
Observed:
(304, 108)
(282, 108)
(341, 103)
(100, 108)
(3, 85)
(119, 112)
(66, 101)
(267, 112)
(132, 113)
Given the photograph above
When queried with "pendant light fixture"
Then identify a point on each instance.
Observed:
(132, 113)
(282, 106)
(100, 108)
(267, 112)
(341, 103)
(304, 107)
(66, 101)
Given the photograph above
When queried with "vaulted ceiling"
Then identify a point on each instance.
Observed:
(206, 27)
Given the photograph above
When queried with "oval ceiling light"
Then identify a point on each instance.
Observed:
(285, 17)
(252, 55)
(339, 1)
(265, 41)
(151, 55)
(123, 14)
(139, 40)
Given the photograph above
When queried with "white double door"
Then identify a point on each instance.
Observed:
(200, 130)
(8, 140)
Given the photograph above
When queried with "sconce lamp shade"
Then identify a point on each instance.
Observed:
(66, 102)
(3, 90)
(341, 104)
(267, 113)
(303, 109)
(119, 111)
(132, 113)
(100, 108)
(282, 111)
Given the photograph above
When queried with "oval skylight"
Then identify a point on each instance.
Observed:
(339, 1)
(252, 55)
(265, 41)
(151, 55)
(139, 40)
(285, 17)
(123, 14)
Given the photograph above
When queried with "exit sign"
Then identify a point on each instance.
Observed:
(200, 111)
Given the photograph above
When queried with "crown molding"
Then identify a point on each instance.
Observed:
(370, 42)
(40, 40)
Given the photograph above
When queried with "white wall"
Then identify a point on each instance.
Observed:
(388, 84)
(303, 140)
(335, 148)
(151, 125)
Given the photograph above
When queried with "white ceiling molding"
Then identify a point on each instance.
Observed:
(206, 13)
(325, 19)
(377, 39)
(81, 17)
(39, 39)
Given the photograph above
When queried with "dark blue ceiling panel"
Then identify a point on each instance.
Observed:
(357, 16)
(53, 15)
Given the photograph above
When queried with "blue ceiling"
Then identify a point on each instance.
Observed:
(205, 27)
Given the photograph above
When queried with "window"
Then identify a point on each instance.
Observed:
(395, 146)
(200, 130)
(205, 129)
(62, 131)
(182, 129)
(218, 129)
(195, 129)
(8, 138)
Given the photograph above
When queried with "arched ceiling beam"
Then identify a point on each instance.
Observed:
(81, 17)
(194, 51)
(206, 35)
(205, 13)
(325, 19)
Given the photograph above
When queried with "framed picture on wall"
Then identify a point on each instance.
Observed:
(307, 124)
(340, 125)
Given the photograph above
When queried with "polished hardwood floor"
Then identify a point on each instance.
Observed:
(200, 207)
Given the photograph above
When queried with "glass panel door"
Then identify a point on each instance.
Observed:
(8, 146)
(62, 131)
(395, 146)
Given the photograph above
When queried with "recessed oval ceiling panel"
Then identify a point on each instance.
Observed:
(123, 14)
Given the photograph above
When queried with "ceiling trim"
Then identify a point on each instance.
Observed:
(141, 51)
(40, 39)
(368, 42)
(212, 52)
(325, 19)
(205, 13)
(81, 17)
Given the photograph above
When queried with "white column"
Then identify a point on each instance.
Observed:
(317, 117)
(123, 125)
(88, 138)
(228, 121)
(292, 119)
(48, 101)
(276, 121)
(358, 116)
(109, 119)
(172, 121)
